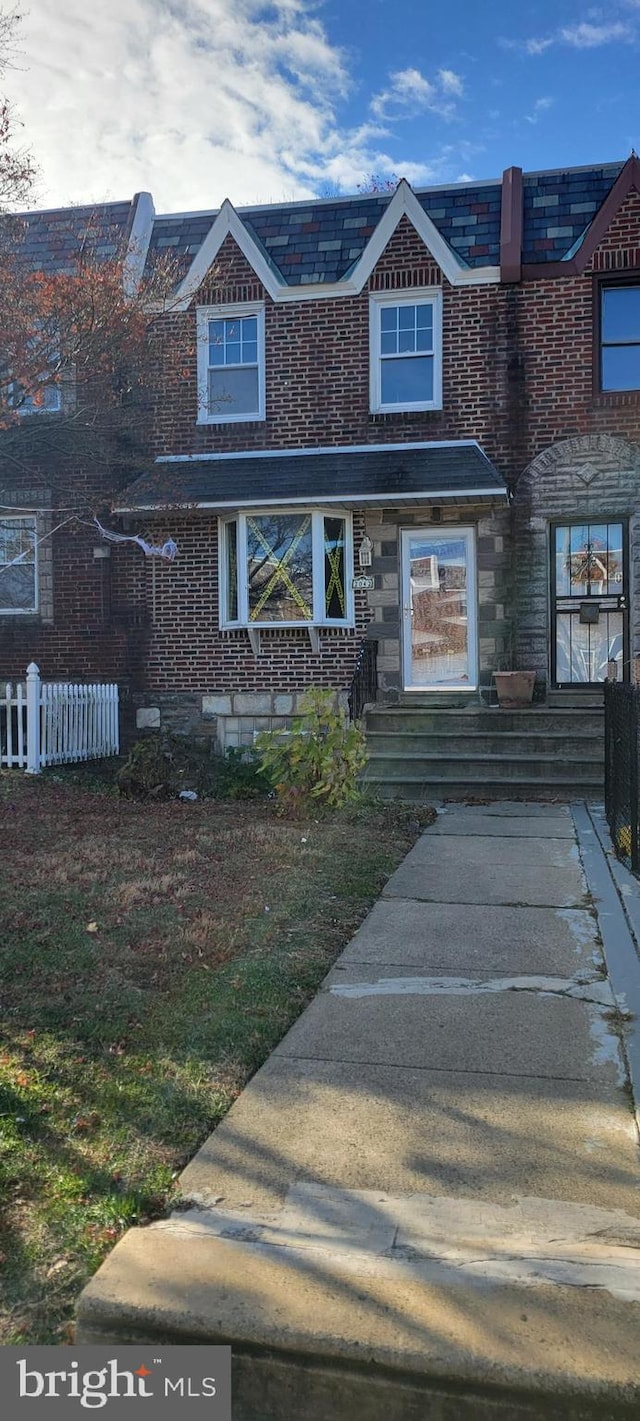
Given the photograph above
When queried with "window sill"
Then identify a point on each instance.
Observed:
(407, 409)
(204, 419)
(313, 630)
(603, 399)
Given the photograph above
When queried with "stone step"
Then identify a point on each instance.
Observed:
(563, 790)
(483, 719)
(588, 743)
(565, 700)
(477, 767)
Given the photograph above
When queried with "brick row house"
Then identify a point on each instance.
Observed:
(412, 418)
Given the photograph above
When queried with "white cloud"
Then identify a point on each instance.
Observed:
(583, 35)
(410, 93)
(541, 105)
(196, 100)
(587, 36)
(451, 82)
(537, 46)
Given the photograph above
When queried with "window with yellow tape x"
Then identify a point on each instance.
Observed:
(290, 567)
(280, 568)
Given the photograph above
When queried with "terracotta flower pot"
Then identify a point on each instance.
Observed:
(515, 688)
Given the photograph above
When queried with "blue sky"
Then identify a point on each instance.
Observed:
(196, 100)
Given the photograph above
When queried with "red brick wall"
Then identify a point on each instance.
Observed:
(518, 376)
(187, 650)
(317, 364)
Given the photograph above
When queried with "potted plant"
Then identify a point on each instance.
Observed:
(514, 688)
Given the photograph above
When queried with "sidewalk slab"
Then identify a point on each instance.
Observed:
(489, 850)
(456, 821)
(406, 1130)
(511, 809)
(466, 938)
(462, 882)
(313, 1335)
(426, 1204)
(510, 1031)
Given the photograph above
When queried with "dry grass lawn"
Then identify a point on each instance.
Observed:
(151, 957)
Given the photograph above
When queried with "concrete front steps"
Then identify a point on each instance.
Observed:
(543, 752)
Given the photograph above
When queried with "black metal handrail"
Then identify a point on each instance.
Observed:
(364, 684)
(621, 757)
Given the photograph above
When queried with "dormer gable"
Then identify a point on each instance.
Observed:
(604, 223)
(404, 204)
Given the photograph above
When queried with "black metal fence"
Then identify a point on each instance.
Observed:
(364, 686)
(622, 752)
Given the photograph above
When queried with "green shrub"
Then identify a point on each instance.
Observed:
(239, 775)
(319, 757)
(161, 765)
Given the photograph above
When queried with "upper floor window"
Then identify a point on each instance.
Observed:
(286, 568)
(18, 571)
(406, 352)
(620, 337)
(47, 399)
(230, 364)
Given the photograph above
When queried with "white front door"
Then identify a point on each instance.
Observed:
(439, 610)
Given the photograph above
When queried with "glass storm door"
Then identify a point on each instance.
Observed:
(439, 610)
(590, 597)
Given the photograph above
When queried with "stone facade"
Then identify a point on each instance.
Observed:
(593, 478)
(493, 590)
(227, 721)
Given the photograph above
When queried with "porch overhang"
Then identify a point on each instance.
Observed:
(371, 476)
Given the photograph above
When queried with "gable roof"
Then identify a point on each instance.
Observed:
(547, 221)
(403, 202)
(51, 241)
(558, 208)
(318, 241)
(383, 475)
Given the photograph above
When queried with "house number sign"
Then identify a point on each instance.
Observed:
(363, 584)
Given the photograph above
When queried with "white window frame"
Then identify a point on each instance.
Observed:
(222, 313)
(416, 297)
(319, 618)
(23, 611)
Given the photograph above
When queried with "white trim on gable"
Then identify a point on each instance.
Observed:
(138, 244)
(227, 222)
(404, 202)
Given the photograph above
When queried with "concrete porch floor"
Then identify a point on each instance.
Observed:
(427, 1202)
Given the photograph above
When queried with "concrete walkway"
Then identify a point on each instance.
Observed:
(427, 1202)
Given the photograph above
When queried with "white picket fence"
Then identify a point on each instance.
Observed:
(51, 723)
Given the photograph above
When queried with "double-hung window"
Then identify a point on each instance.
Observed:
(290, 568)
(18, 565)
(620, 337)
(406, 352)
(231, 385)
(46, 399)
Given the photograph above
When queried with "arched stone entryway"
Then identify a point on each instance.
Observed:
(594, 478)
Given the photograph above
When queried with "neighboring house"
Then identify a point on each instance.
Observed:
(443, 386)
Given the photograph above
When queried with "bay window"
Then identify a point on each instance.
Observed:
(290, 568)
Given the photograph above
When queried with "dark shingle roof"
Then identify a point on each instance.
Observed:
(51, 241)
(392, 474)
(558, 207)
(320, 241)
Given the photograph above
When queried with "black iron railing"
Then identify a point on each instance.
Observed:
(364, 686)
(622, 752)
